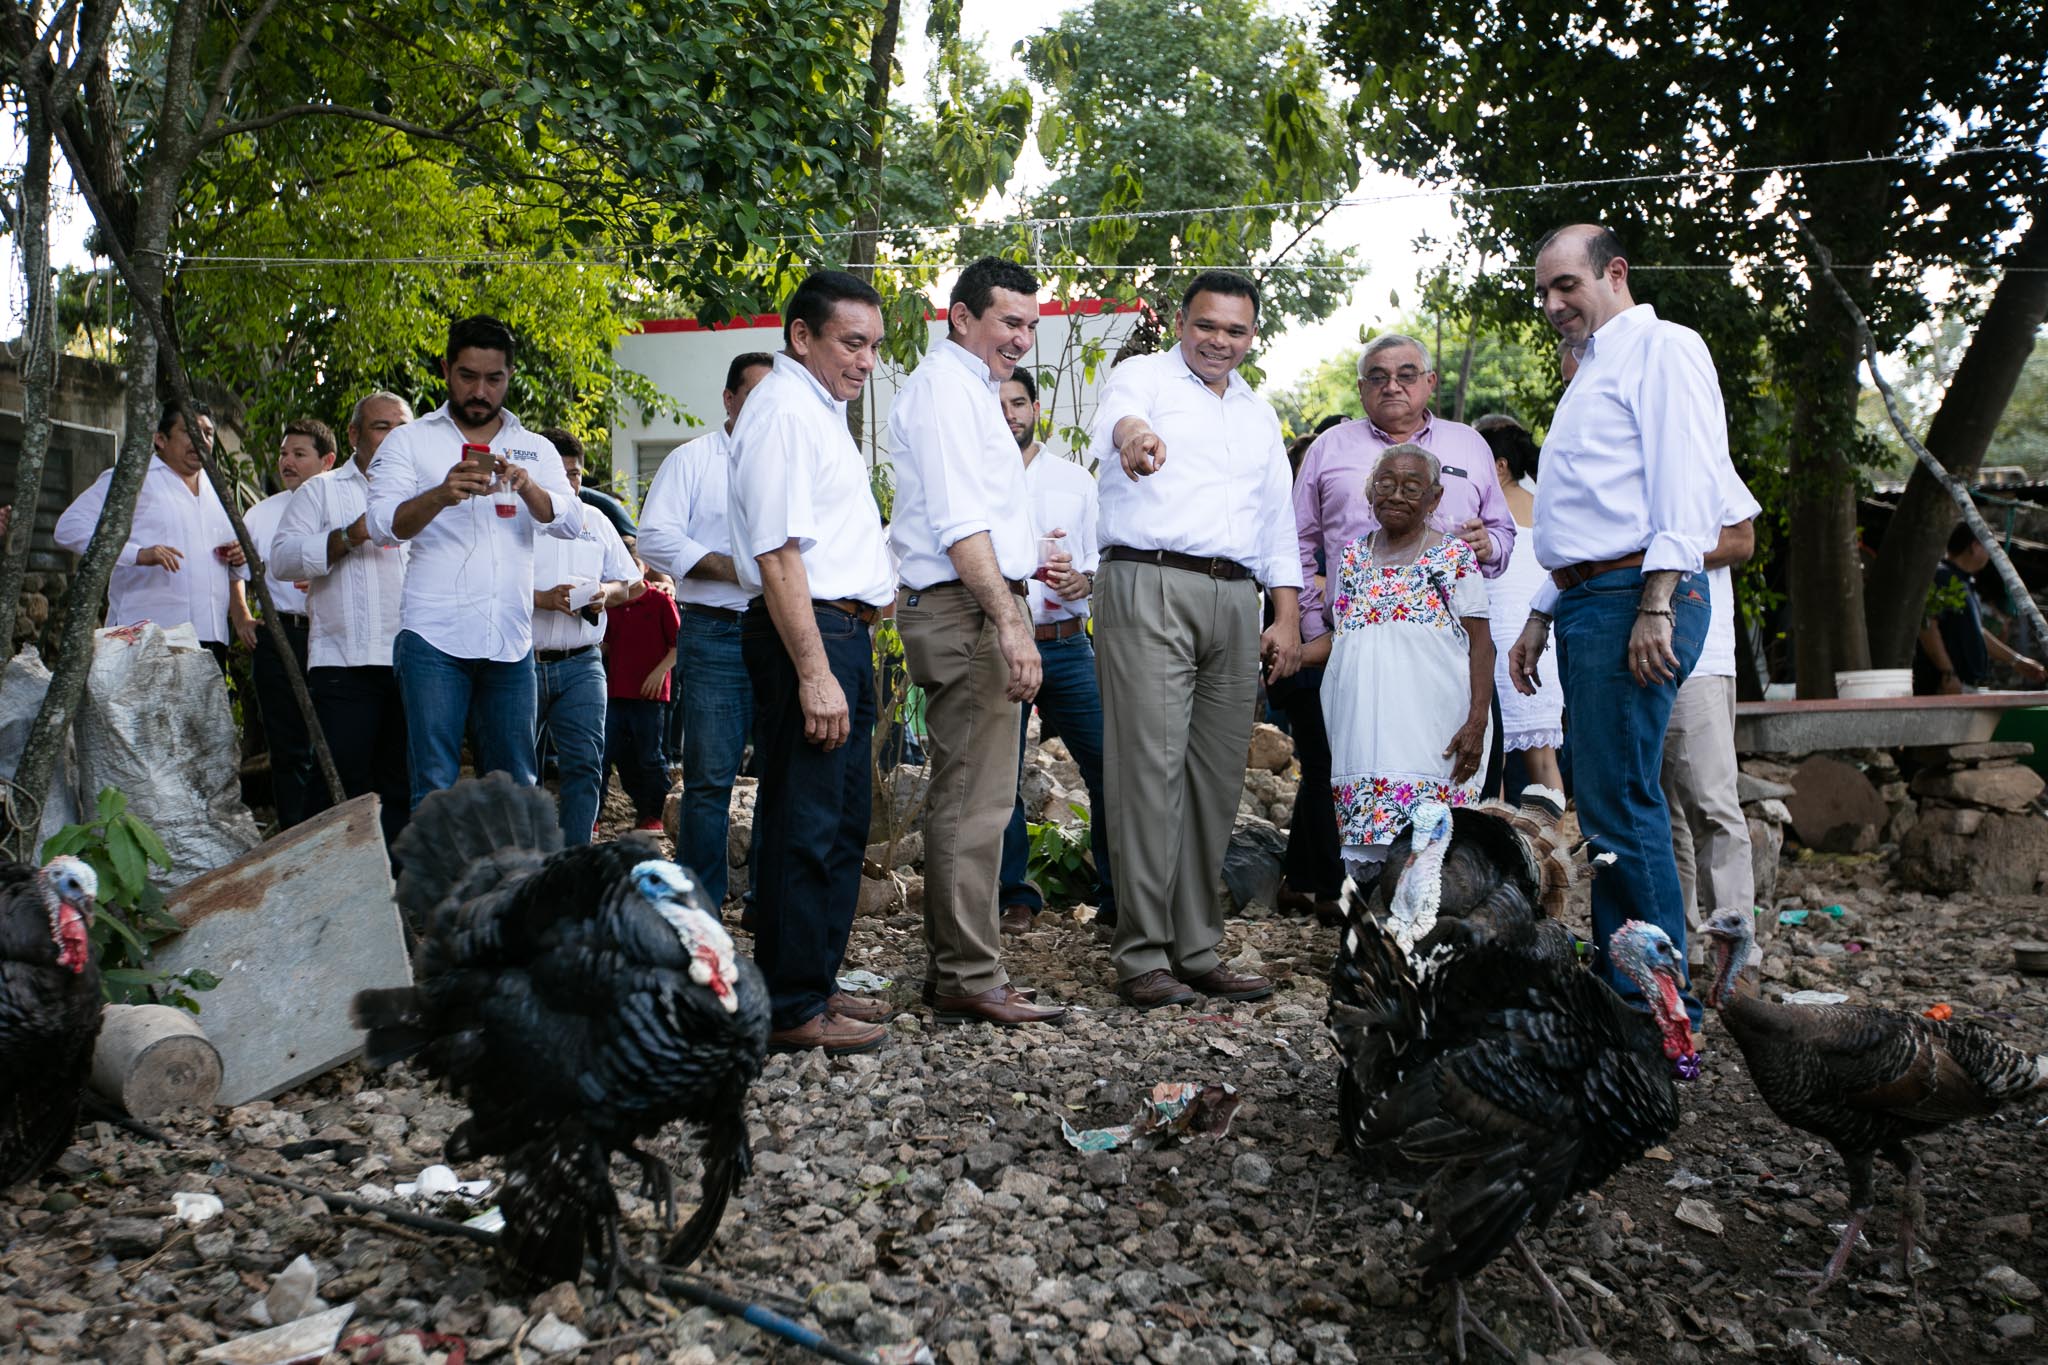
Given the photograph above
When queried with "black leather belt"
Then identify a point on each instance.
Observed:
(705, 609)
(1016, 585)
(296, 618)
(555, 656)
(1229, 570)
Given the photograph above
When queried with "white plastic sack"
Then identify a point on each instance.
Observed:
(156, 724)
(23, 681)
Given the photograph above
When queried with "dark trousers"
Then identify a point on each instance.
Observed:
(811, 812)
(1070, 706)
(364, 717)
(296, 788)
(632, 745)
(1313, 863)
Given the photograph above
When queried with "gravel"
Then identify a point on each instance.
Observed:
(925, 1194)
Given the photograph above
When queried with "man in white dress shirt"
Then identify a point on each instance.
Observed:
(464, 651)
(296, 787)
(1630, 504)
(1196, 512)
(1063, 498)
(584, 578)
(684, 533)
(354, 587)
(181, 558)
(808, 547)
(962, 531)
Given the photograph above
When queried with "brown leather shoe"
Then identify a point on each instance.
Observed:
(1155, 988)
(1016, 919)
(1228, 985)
(866, 1008)
(836, 1035)
(928, 992)
(1005, 1005)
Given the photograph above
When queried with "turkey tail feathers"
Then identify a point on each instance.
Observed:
(397, 1023)
(728, 1160)
(454, 828)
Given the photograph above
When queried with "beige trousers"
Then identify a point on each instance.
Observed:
(949, 644)
(1709, 833)
(1177, 655)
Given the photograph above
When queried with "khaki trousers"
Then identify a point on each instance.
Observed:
(1177, 655)
(950, 647)
(1709, 833)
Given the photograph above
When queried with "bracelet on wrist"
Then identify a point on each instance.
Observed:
(1668, 613)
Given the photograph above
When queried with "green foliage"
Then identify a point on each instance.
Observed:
(1059, 859)
(1180, 104)
(130, 918)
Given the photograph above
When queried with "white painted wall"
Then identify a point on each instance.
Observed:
(688, 361)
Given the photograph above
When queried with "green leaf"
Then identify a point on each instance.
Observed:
(130, 869)
(112, 802)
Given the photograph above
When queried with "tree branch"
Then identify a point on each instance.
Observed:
(2016, 589)
(233, 66)
(447, 133)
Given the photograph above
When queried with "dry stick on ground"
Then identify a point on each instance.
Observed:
(2023, 601)
(181, 393)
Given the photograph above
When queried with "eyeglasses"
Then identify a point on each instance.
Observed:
(1387, 483)
(1408, 376)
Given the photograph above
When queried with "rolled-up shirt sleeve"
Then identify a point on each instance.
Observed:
(1280, 544)
(664, 542)
(618, 563)
(1126, 395)
(1685, 439)
(299, 549)
(394, 477)
(771, 488)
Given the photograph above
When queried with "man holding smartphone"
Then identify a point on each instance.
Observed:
(469, 487)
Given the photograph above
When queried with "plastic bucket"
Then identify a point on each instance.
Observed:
(1865, 683)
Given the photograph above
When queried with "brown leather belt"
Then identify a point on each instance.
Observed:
(706, 609)
(1229, 570)
(1571, 575)
(860, 611)
(1059, 630)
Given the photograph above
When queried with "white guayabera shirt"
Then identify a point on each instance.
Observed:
(166, 513)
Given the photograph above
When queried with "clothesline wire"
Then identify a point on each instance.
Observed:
(201, 265)
(1037, 224)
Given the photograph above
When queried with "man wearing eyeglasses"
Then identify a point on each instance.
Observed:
(1396, 383)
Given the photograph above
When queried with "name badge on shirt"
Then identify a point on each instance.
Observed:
(521, 454)
(1453, 469)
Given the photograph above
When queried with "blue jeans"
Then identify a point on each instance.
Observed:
(1070, 703)
(1618, 748)
(443, 695)
(810, 815)
(717, 704)
(569, 704)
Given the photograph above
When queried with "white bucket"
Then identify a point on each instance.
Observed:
(1865, 683)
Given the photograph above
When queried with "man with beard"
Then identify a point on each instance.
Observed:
(468, 487)
(1069, 703)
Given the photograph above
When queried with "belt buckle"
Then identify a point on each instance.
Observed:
(1216, 567)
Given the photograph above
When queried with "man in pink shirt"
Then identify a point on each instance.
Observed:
(1396, 383)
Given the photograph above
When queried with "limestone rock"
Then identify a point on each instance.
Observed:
(1271, 749)
(1964, 755)
(1998, 788)
(1766, 842)
(2004, 857)
(1835, 808)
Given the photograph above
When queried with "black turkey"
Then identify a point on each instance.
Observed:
(49, 1009)
(1479, 1050)
(1864, 1079)
(1463, 877)
(577, 1000)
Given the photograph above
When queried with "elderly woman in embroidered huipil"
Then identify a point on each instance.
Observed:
(1409, 690)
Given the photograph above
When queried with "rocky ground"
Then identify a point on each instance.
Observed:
(924, 1195)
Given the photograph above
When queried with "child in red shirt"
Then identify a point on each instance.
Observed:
(640, 649)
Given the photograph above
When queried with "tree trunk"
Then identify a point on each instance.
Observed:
(867, 224)
(38, 360)
(1958, 436)
(1827, 570)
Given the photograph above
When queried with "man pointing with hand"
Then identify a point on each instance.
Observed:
(1195, 515)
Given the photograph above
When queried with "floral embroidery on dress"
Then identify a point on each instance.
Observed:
(1375, 810)
(1418, 592)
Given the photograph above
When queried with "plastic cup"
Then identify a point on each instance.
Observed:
(1048, 546)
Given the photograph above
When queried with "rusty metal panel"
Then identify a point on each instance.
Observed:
(293, 929)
